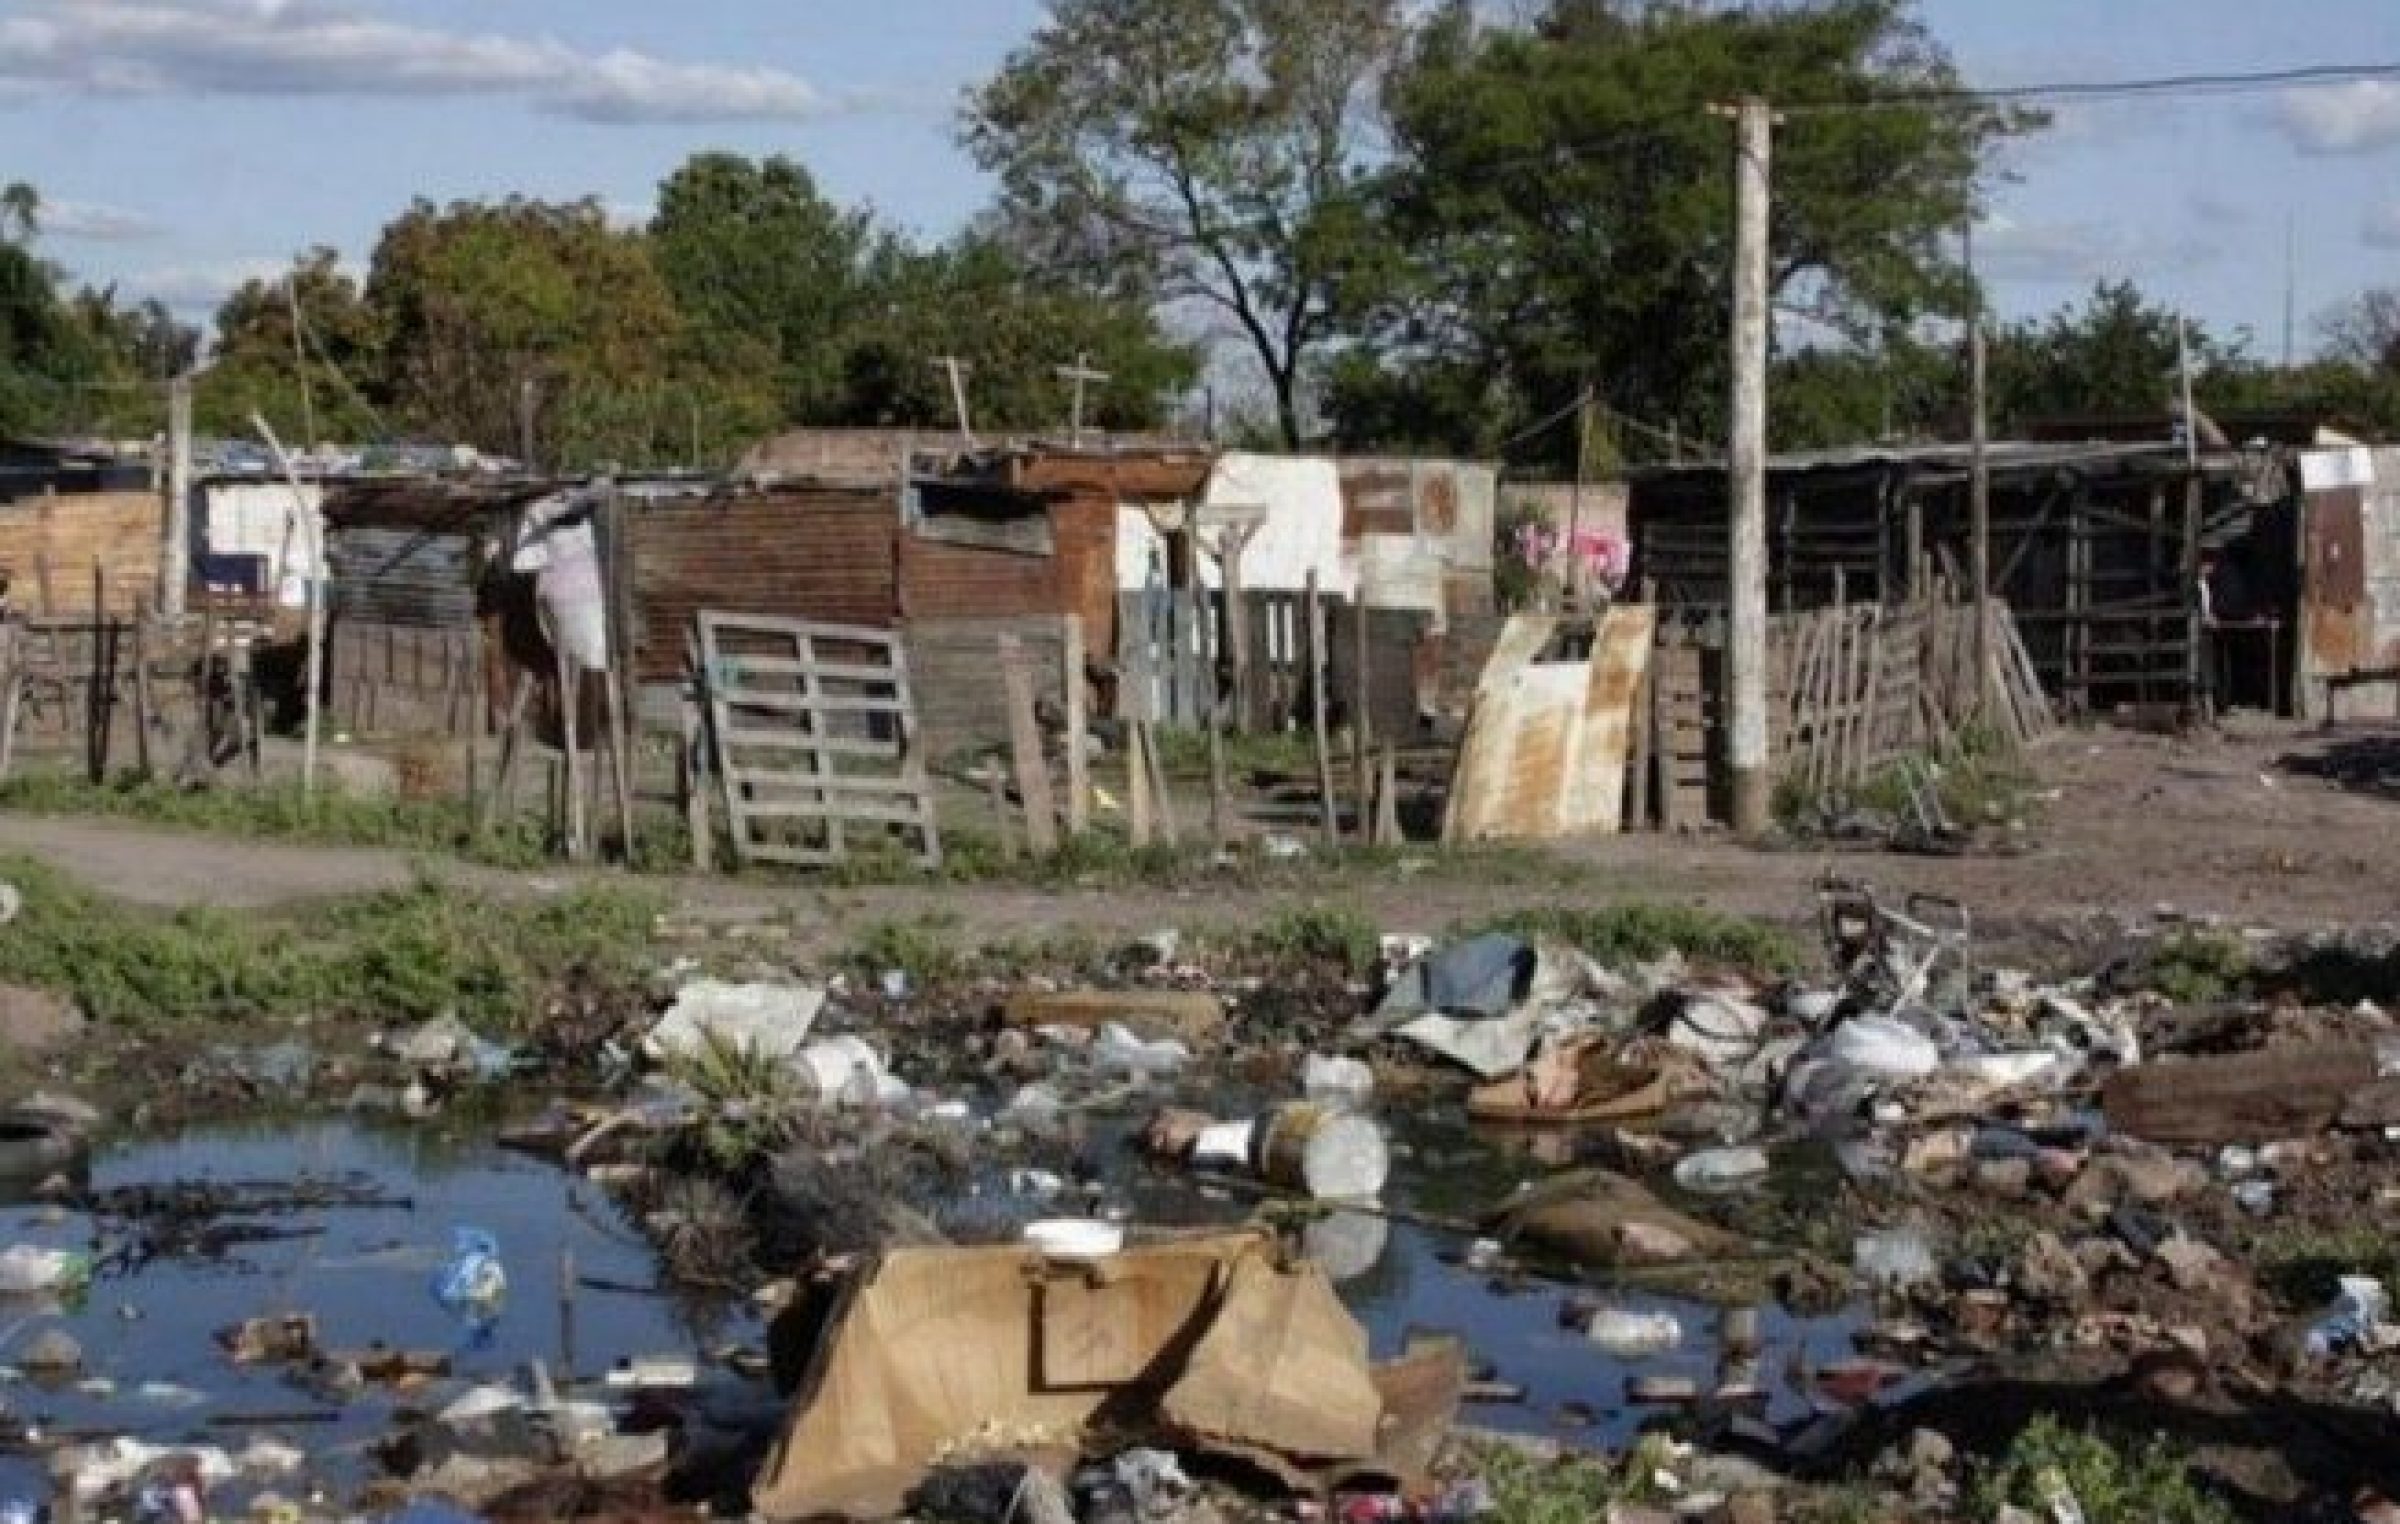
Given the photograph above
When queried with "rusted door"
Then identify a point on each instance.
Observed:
(2335, 617)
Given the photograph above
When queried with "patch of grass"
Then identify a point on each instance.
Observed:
(1529, 1489)
(2198, 967)
(1319, 934)
(1978, 779)
(1851, 1503)
(926, 948)
(749, 1100)
(2300, 1264)
(1288, 752)
(403, 955)
(1638, 931)
(2149, 1483)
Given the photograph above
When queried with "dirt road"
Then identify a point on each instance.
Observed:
(2277, 829)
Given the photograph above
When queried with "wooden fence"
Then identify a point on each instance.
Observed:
(1850, 690)
(1174, 644)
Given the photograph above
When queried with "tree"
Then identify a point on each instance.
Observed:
(982, 300)
(2365, 331)
(2117, 354)
(486, 307)
(256, 368)
(1562, 200)
(769, 274)
(1209, 151)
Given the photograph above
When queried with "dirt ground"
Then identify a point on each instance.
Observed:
(2263, 826)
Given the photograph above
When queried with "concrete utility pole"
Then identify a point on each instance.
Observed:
(1746, 471)
(1080, 375)
(175, 555)
(1979, 480)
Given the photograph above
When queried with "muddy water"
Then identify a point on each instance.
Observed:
(365, 1273)
(155, 1370)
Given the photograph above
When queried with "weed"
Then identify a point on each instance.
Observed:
(406, 954)
(926, 949)
(1288, 752)
(2300, 1265)
(2197, 968)
(1528, 1489)
(749, 1100)
(2151, 1484)
(1319, 934)
(1850, 1503)
(1977, 779)
(1638, 931)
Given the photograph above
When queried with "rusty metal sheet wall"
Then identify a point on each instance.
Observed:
(944, 581)
(401, 576)
(821, 555)
(1547, 743)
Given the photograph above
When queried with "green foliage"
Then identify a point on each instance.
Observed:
(1327, 934)
(2196, 968)
(1211, 150)
(1562, 199)
(1638, 931)
(256, 366)
(485, 305)
(771, 276)
(2151, 1484)
(2301, 1264)
(749, 1100)
(404, 955)
(927, 949)
(1571, 1489)
(2116, 354)
(75, 362)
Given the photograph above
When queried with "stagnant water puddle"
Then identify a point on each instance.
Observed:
(153, 1367)
(364, 1271)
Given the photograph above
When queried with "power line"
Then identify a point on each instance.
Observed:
(2226, 83)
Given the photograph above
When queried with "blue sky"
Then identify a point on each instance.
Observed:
(185, 144)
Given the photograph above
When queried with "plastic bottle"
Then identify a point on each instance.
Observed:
(1626, 1333)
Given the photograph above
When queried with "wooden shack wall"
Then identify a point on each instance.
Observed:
(821, 554)
(940, 581)
(71, 532)
(954, 665)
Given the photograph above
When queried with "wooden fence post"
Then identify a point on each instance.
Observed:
(1025, 748)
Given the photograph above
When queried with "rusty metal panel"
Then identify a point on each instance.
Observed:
(2337, 547)
(1548, 740)
(827, 556)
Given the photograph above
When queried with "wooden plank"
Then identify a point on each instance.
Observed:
(832, 746)
(2258, 1096)
(806, 703)
(1025, 749)
(1314, 618)
(1079, 763)
(903, 813)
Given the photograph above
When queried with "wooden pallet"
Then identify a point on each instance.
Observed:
(814, 730)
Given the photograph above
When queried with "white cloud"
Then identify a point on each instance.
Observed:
(2077, 253)
(93, 222)
(339, 47)
(2382, 227)
(2358, 117)
(200, 287)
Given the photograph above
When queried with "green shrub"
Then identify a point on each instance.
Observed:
(2149, 1484)
(1638, 931)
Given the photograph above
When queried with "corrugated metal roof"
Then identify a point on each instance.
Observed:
(1939, 458)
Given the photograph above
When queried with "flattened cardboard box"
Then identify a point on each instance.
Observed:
(1203, 1342)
